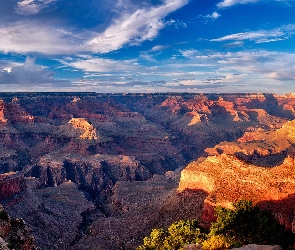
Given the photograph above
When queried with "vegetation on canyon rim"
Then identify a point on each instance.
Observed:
(244, 224)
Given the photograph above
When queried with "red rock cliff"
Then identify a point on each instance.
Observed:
(262, 171)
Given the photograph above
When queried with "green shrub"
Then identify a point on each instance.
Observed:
(247, 224)
(155, 240)
(216, 242)
(178, 234)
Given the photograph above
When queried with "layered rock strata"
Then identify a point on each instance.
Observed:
(11, 184)
(110, 146)
(261, 170)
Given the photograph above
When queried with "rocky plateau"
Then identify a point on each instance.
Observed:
(99, 171)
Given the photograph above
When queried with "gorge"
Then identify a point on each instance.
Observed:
(99, 171)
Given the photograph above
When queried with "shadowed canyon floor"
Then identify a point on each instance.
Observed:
(98, 171)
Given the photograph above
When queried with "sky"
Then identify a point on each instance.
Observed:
(202, 46)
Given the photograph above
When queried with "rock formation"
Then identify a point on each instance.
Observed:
(11, 184)
(14, 233)
(259, 167)
(121, 155)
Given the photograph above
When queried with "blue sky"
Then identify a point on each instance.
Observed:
(148, 46)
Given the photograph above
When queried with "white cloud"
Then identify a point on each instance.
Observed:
(282, 75)
(141, 25)
(28, 37)
(261, 36)
(213, 16)
(189, 53)
(31, 7)
(228, 3)
(28, 73)
(121, 26)
(234, 44)
(102, 65)
(159, 48)
(8, 65)
(265, 65)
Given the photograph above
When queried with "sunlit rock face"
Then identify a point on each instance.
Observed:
(88, 132)
(77, 128)
(261, 170)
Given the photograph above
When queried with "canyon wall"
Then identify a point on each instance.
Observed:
(258, 167)
(105, 147)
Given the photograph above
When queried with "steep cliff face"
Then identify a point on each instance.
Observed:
(11, 184)
(142, 205)
(54, 214)
(95, 174)
(261, 170)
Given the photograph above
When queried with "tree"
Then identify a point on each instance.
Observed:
(247, 224)
(175, 237)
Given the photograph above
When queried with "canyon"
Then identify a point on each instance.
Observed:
(99, 171)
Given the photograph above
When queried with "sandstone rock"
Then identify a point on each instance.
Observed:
(192, 247)
(89, 132)
(227, 176)
(142, 205)
(11, 184)
(258, 247)
(2, 119)
(17, 114)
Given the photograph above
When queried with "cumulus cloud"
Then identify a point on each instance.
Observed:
(143, 24)
(26, 74)
(261, 36)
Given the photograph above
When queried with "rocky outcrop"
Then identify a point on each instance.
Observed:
(15, 234)
(88, 131)
(11, 184)
(95, 174)
(258, 247)
(54, 214)
(247, 247)
(261, 170)
(17, 114)
(142, 205)
(2, 119)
